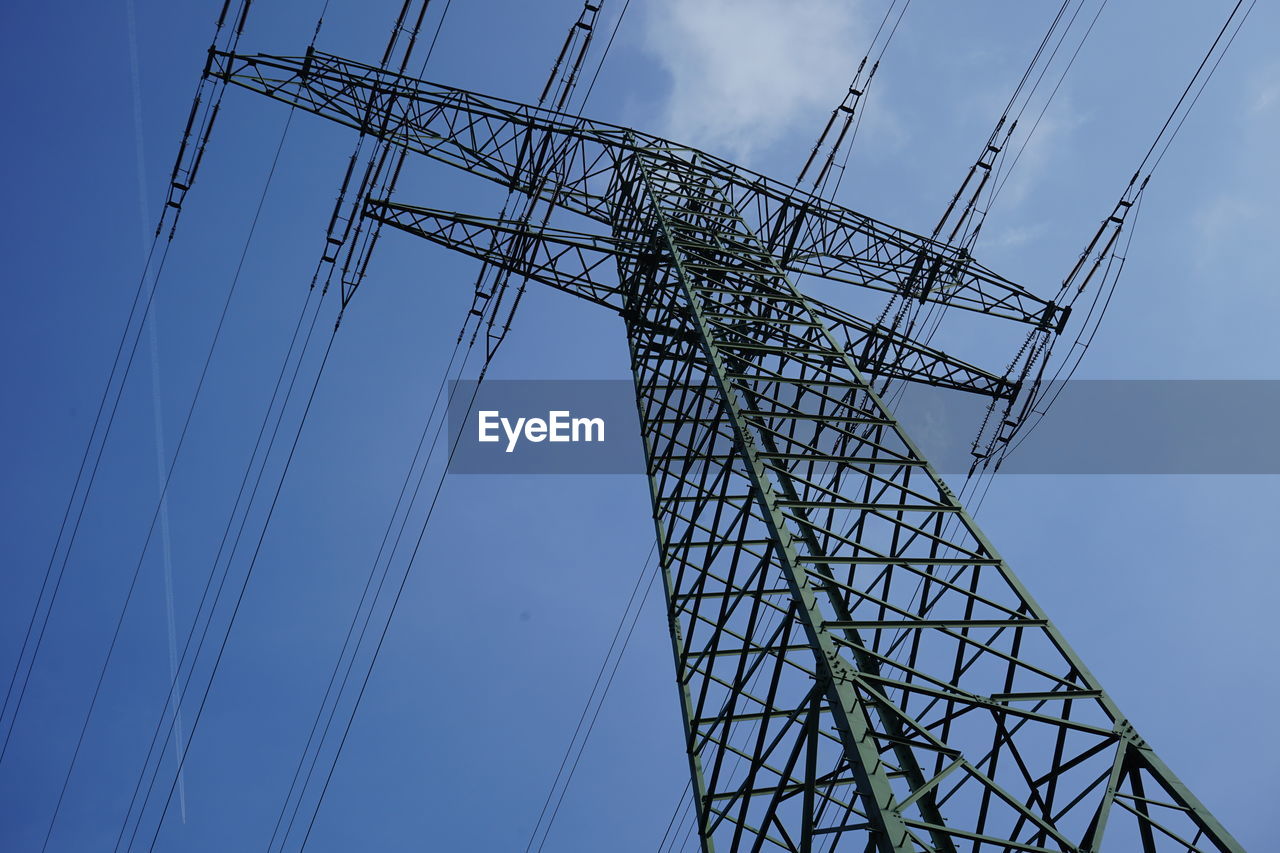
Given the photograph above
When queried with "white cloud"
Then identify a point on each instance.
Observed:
(1052, 136)
(745, 72)
(1266, 90)
(1219, 225)
(1238, 212)
(1267, 98)
(1013, 237)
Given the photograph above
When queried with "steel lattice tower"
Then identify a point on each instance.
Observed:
(858, 668)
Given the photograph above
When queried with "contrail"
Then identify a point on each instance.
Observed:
(153, 339)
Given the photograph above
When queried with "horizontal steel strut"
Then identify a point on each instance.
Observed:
(493, 138)
(583, 264)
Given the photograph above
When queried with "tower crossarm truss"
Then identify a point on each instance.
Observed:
(496, 139)
(858, 668)
(585, 265)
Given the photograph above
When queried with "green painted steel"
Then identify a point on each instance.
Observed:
(858, 668)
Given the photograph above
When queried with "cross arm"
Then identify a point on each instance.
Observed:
(892, 355)
(495, 139)
(577, 263)
(841, 251)
(585, 264)
(504, 141)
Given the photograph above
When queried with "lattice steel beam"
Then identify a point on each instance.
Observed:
(584, 265)
(496, 139)
(938, 707)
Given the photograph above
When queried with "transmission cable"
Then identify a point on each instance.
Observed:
(226, 535)
(74, 530)
(1138, 203)
(170, 214)
(301, 789)
(388, 179)
(592, 699)
(675, 822)
(599, 65)
(935, 312)
(412, 558)
(387, 622)
(200, 383)
(178, 702)
(395, 601)
(1190, 84)
(84, 464)
(850, 105)
(226, 538)
(596, 714)
(235, 511)
(1101, 300)
(995, 193)
(243, 587)
(1106, 261)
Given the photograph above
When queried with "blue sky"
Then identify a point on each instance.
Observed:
(1165, 585)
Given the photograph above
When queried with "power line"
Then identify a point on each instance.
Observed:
(1030, 411)
(593, 700)
(382, 636)
(204, 110)
(275, 499)
(75, 526)
(226, 535)
(395, 546)
(168, 478)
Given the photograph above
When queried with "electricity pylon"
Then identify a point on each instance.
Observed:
(858, 668)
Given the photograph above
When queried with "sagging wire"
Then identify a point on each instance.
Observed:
(964, 215)
(227, 539)
(617, 25)
(1101, 261)
(847, 113)
(180, 186)
(962, 220)
(968, 226)
(347, 230)
(596, 697)
(560, 88)
(294, 786)
(975, 216)
(239, 600)
(167, 479)
(543, 160)
(905, 307)
(195, 138)
(386, 623)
